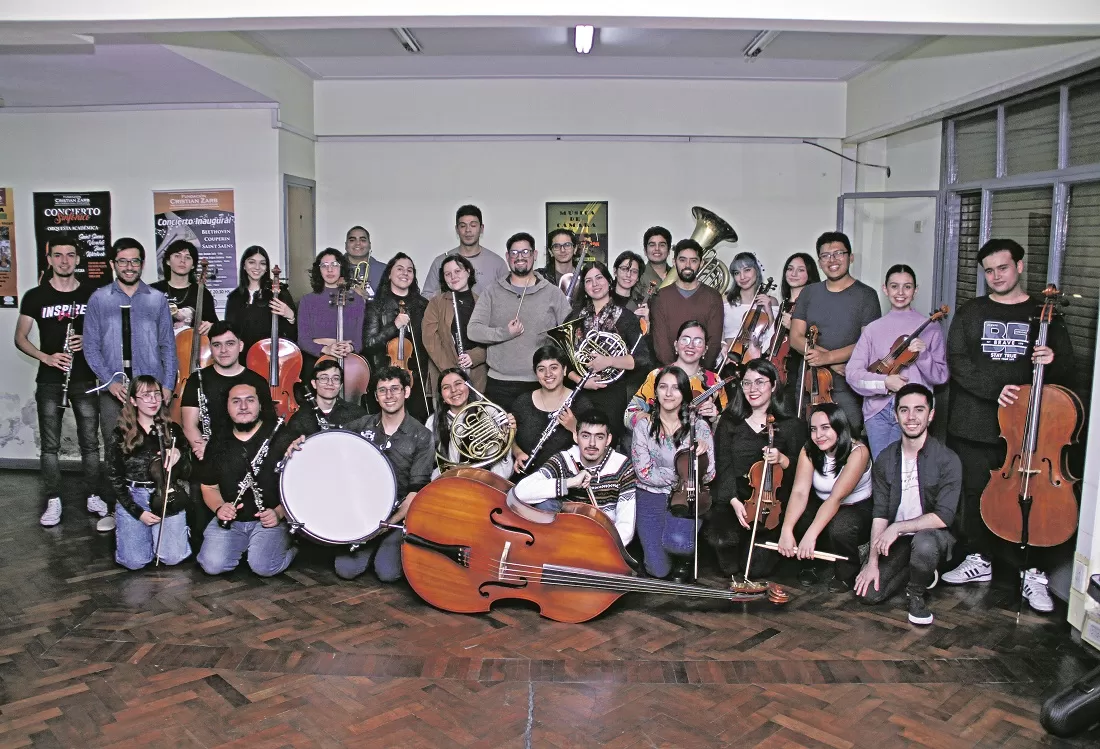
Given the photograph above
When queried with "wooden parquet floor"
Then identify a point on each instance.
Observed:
(92, 655)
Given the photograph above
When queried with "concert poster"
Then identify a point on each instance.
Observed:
(9, 289)
(589, 222)
(207, 219)
(86, 214)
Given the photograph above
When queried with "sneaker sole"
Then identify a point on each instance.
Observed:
(1040, 610)
(45, 524)
(921, 620)
(976, 579)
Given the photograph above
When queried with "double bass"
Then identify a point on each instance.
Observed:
(817, 382)
(277, 359)
(900, 356)
(1030, 500)
(192, 349)
(354, 368)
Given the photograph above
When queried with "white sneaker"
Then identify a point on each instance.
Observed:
(1035, 591)
(974, 569)
(52, 515)
(106, 525)
(97, 506)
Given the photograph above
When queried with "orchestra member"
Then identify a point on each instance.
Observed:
(840, 307)
(597, 313)
(142, 526)
(799, 271)
(364, 271)
(511, 318)
(686, 299)
(653, 449)
(743, 297)
(534, 410)
(180, 284)
(408, 447)
(627, 292)
(250, 306)
(55, 304)
(876, 341)
(838, 470)
(257, 525)
(740, 441)
(990, 353)
(591, 471)
(656, 243)
(336, 412)
(317, 314)
(152, 343)
(454, 394)
(398, 306)
(438, 330)
(489, 265)
(690, 344)
(916, 481)
(561, 246)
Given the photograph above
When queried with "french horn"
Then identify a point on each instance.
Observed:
(481, 434)
(595, 342)
(710, 230)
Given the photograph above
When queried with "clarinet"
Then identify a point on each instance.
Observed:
(322, 422)
(553, 424)
(204, 411)
(459, 348)
(249, 481)
(67, 349)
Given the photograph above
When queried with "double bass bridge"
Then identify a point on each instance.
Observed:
(502, 565)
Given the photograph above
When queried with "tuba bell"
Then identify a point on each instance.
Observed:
(480, 433)
(590, 345)
(710, 230)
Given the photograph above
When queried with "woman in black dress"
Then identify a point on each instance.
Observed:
(533, 411)
(250, 305)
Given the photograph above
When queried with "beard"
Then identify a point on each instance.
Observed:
(687, 275)
(522, 273)
(245, 427)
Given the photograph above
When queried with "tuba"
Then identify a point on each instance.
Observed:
(480, 432)
(593, 343)
(710, 230)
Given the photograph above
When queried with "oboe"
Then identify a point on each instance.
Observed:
(458, 329)
(250, 481)
(67, 349)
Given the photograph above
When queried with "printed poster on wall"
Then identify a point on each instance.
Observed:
(86, 214)
(9, 290)
(587, 220)
(205, 218)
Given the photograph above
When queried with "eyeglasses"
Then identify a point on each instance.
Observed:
(334, 380)
(686, 340)
(832, 255)
(150, 396)
(330, 266)
(125, 263)
(562, 246)
(520, 253)
(391, 390)
(755, 384)
(627, 271)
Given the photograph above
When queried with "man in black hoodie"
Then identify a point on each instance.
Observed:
(990, 353)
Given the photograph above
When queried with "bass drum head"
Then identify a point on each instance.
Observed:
(338, 488)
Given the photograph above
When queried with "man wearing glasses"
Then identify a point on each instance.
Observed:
(840, 306)
(326, 410)
(511, 318)
(561, 246)
(686, 299)
(152, 343)
(487, 264)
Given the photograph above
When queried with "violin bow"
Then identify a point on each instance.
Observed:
(164, 505)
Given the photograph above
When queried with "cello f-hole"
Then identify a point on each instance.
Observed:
(484, 589)
(497, 512)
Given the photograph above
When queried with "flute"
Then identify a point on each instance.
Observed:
(822, 555)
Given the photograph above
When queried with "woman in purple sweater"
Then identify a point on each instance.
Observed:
(317, 311)
(875, 342)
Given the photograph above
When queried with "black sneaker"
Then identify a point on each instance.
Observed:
(808, 576)
(919, 613)
(836, 585)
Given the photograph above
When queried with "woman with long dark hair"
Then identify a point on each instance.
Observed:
(838, 470)
(140, 517)
(533, 410)
(250, 306)
(799, 271)
(667, 541)
(317, 312)
(452, 395)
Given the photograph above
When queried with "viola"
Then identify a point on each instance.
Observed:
(283, 369)
(465, 547)
(900, 356)
(690, 496)
(1030, 500)
(765, 480)
(192, 350)
(780, 348)
(354, 368)
(753, 329)
(644, 298)
(817, 382)
(399, 353)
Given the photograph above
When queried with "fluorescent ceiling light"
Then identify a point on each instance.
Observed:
(583, 39)
(759, 43)
(408, 41)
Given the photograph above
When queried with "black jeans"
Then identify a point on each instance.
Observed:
(845, 533)
(50, 414)
(912, 561)
(109, 409)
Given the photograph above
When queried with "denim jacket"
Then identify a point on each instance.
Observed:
(153, 342)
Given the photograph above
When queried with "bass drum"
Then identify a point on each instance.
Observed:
(338, 489)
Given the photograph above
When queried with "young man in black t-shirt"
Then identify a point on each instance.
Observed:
(181, 287)
(990, 353)
(54, 305)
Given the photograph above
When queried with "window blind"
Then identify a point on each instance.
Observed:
(1024, 215)
(1031, 135)
(1081, 276)
(966, 276)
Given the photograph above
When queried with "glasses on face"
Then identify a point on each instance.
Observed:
(521, 252)
(561, 246)
(686, 340)
(329, 266)
(150, 396)
(334, 380)
(124, 263)
(832, 255)
(627, 271)
(391, 390)
(755, 384)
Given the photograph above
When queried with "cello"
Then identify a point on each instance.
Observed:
(353, 368)
(765, 481)
(900, 356)
(283, 368)
(753, 329)
(1030, 500)
(465, 547)
(817, 382)
(192, 349)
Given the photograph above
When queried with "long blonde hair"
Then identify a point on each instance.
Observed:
(132, 433)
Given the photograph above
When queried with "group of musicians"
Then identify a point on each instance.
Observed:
(606, 377)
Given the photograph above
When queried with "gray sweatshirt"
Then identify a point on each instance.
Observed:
(544, 307)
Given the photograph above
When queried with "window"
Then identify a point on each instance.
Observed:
(1079, 279)
(976, 147)
(1024, 215)
(1031, 135)
(1084, 124)
(966, 281)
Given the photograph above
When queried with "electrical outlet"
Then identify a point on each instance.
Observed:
(1080, 573)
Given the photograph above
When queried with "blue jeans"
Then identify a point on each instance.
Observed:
(269, 549)
(136, 542)
(86, 410)
(662, 535)
(882, 430)
(386, 552)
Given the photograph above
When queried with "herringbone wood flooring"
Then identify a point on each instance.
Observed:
(92, 655)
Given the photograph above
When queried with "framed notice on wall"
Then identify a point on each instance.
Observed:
(9, 291)
(588, 220)
(207, 219)
(85, 214)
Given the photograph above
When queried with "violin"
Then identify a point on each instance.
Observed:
(399, 353)
(192, 350)
(817, 382)
(765, 481)
(643, 299)
(1030, 500)
(780, 348)
(690, 496)
(753, 329)
(283, 369)
(353, 368)
(900, 356)
(468, 545)
(164, 492)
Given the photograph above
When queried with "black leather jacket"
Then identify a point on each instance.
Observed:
(123, 467)
(378, 327)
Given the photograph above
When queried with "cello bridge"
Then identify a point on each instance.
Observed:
(503, 560)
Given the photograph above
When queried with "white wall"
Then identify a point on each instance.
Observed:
(131, 154)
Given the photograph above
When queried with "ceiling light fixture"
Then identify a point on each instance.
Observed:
(759, 43)
(583, 39)
(408, 41)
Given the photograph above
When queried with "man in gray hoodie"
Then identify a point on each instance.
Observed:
(511, 318)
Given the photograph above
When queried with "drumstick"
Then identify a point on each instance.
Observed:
(823, 555)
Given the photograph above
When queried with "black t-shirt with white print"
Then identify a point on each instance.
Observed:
(52, 311)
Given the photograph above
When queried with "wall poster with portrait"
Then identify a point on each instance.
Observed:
(588, 220)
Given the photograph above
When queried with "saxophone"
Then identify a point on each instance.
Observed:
(249, 480)
(204, 411)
